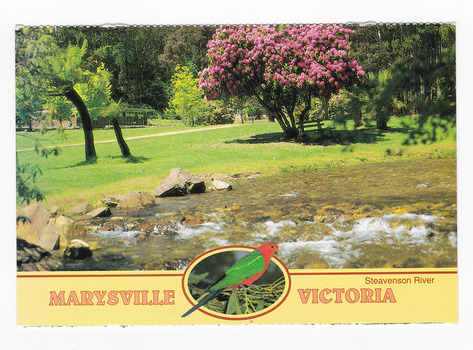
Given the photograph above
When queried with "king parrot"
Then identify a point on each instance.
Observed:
(244, 272)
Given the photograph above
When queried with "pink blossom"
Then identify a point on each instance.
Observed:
(303, 56)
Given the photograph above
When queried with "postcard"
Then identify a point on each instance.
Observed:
(236, 174)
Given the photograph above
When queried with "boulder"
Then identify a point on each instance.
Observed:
(99, 212)
(147, 199)
(55, 211)
(30, 257)
(136, 200)
(196, 185)
(65, 224)
(191, 221)
(50, 234)
(78, 250)
(110, 201)
(219, 185)
(180, 182)
(50, 237)
(129, 201)
(166, 189)
(37, 215)
(80, 209)
(26, 231)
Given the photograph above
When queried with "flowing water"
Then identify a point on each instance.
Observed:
(395, 214)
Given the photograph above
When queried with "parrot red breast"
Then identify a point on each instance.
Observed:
(244, 272)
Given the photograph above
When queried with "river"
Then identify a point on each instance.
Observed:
(392, 214)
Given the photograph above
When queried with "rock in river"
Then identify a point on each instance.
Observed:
(180, 182)
(219, 185)
(77, 249)
(109, 201)
(136, 200)
(35, 226)
(99, 212)
(30, 257)
(81, 209)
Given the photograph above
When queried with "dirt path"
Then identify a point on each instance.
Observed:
(143, 136)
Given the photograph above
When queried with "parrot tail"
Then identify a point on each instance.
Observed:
(204, 300)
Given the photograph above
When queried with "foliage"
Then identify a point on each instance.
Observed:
(412, 70)
(113, 109)
(241, 301)
(31, 47)
(58, 107)
(28, 103)
(26, 191)
(27, 173)
(187, 100)
(219, 113)
(186, 46)
(96, 92)
(283, 67)
(142, 59)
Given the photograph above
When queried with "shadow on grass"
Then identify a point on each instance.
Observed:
(344, 137)
(326, 137)
(130, 159)
(262, 138)
(135, 160)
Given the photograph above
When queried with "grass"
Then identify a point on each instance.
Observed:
(67, 180)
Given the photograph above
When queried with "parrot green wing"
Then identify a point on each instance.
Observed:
(243, 269)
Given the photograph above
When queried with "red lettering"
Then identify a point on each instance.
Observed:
(378, 294)
(338, 294)
(100, 295)
(356, 295)
(73, 299)
(304, 295)
(367, 295)
(112, 298)
(137, 297)
(56, 299)
(315, 296)
(156, 300)
(126, 296)
(322, 297)
(144, 298)
(168, 295)
(86, 297)
(389, 296)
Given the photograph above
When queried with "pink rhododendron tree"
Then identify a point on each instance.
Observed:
(284, 68)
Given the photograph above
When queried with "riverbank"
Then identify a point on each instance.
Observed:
(67, 180)
(382, 215)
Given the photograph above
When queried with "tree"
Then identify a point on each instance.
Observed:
(31, 46)
(186, 45)
(72, 76)
(411, 70)
(64, 70)
(113, 110)
(283, 67)
(187, 100)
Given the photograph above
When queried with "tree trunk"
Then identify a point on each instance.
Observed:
(382, 123)
(289, 131)
(74, 97)
(121, 141)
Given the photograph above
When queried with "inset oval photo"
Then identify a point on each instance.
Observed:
(236, 282)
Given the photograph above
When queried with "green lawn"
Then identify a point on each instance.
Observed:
(67, 180)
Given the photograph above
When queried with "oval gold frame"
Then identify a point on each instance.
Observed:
(193, 263)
